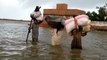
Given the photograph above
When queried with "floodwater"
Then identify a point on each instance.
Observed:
(14, 47)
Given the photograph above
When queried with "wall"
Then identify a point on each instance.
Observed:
(99, 23)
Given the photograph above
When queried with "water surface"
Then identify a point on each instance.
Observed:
(14, 47)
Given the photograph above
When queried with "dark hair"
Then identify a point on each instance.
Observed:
(37, 8)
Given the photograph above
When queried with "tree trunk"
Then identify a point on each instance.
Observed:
(76, 42)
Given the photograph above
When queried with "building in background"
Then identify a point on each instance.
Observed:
(61, 10)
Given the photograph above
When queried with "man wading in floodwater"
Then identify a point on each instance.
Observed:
(36, 19)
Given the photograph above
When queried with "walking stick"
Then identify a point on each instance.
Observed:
(29, 30)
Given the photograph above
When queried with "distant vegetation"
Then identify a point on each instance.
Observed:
(100, 16)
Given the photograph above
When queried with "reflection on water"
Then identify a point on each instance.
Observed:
(56, 53)
(76, 54)
(14, 47)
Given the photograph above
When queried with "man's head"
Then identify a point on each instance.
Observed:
(37, 8)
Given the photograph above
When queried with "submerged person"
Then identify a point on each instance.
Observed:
(37, 18)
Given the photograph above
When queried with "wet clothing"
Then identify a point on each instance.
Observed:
(35, 32)
(37, 19)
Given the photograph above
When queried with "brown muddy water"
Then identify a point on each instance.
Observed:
(14, 47)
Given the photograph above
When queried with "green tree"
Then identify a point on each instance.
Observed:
(90, 15)
(102, 13)
(93, 16)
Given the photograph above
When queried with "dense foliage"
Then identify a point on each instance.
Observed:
(100, 16)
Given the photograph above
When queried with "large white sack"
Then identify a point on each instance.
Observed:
(37, 15)
(40, 18)
(86, 28)
(82, 20)
(69, 24)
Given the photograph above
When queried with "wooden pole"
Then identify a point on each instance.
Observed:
(29, 30)
(76, 42)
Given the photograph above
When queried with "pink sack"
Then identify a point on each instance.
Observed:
(69, 24)
(82, 20)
